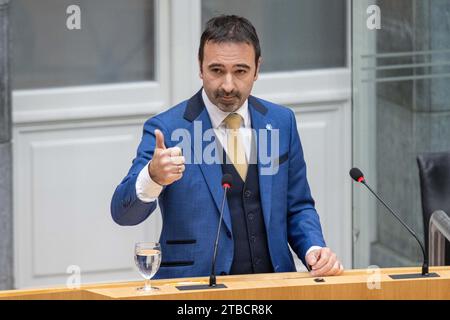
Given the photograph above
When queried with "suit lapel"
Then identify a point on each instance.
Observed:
(212, 173)
(260, 121)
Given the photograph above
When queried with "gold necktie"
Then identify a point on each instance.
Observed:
(235, 145)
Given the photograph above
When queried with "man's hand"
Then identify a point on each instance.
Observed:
(324, 262)
(167, 165)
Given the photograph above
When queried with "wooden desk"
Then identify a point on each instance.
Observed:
(353, 284)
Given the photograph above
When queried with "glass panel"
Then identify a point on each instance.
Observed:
(401, 78)
(115, 43)
(294, 34)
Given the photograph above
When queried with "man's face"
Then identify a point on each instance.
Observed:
(228, 73)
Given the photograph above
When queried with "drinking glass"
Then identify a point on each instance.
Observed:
(147, 256)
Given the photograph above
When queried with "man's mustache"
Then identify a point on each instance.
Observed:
(223, 94)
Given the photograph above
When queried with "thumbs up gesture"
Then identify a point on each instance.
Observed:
(167, 165)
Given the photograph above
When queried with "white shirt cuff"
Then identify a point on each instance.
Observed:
(311, 249)
(147, 190)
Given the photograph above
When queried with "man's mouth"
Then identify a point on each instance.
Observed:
(228, 97)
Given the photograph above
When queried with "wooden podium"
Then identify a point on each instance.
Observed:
(353, 284)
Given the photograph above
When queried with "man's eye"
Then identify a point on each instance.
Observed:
(216, 70)
(241, 71)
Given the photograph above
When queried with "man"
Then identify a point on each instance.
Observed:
(263, 212)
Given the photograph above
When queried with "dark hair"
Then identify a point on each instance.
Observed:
(229, 28)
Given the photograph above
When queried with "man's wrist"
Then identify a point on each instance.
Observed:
(152, 177)
(147, 190)
(312, 248)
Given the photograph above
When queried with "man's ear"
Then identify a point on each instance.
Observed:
(257, 69)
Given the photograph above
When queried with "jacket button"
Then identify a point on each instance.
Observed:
(223, 273)
(247, 194)
(251, 215)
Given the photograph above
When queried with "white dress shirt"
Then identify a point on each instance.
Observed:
(148, 190)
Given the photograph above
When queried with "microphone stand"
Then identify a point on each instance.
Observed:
(425, 272)
(212, 278)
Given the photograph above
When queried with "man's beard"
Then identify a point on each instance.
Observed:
(231, 105)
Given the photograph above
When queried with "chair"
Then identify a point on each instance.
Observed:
(434, 173)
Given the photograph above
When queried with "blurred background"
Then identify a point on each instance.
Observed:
(73, 103)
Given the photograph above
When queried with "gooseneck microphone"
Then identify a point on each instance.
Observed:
(227, 181)
(358, 176)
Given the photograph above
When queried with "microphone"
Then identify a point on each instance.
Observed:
(227, 181)
(358, 176)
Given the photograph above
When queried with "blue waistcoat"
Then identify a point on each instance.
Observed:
(251, 252)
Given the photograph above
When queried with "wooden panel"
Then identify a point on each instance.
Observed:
(353, 284)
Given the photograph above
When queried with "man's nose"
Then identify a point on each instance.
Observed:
(228, 83)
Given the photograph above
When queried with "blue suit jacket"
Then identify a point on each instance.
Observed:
(190, 206)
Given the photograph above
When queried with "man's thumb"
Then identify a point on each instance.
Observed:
(159, 139)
